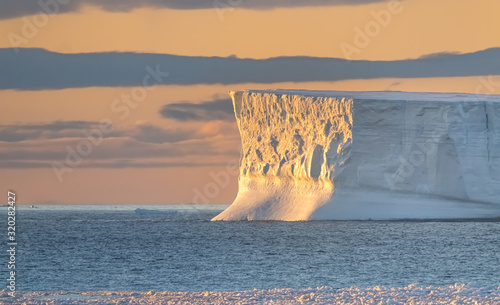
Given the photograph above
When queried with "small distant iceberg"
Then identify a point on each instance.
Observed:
(155, 212)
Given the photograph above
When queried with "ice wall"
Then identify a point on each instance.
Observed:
(360, 155)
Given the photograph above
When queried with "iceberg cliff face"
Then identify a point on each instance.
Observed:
(359, 155)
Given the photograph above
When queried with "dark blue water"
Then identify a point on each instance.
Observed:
(89, 248)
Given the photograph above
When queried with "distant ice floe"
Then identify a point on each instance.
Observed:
(179, 209)
(378, 295)
(155, 212)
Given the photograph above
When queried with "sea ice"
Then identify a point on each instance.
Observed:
(378, 295)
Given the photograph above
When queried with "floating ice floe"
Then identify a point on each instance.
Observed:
(378, 295)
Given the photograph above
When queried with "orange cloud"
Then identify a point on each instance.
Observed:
(423, 27)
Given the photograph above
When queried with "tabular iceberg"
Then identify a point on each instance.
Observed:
(310, 155)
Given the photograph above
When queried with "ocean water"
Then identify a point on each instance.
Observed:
(178, 248)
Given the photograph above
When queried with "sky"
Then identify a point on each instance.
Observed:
(126, 102)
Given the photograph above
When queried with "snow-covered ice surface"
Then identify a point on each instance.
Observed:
(412, 294)
(311, 155)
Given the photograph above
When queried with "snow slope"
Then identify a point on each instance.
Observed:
(366, 155)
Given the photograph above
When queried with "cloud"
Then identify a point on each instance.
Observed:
(438, 55)
(36, 69)
(115, 164)
(149, 133)
(118, 152)
(207, 111)
(141, 131)
(138, 145)
(17, 8)
(53, 130)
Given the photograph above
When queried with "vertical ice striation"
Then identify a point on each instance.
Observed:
(292, 149)
(358, 155)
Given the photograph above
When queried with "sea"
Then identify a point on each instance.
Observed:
(179, 248)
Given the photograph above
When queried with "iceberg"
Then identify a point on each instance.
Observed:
(317, 155)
